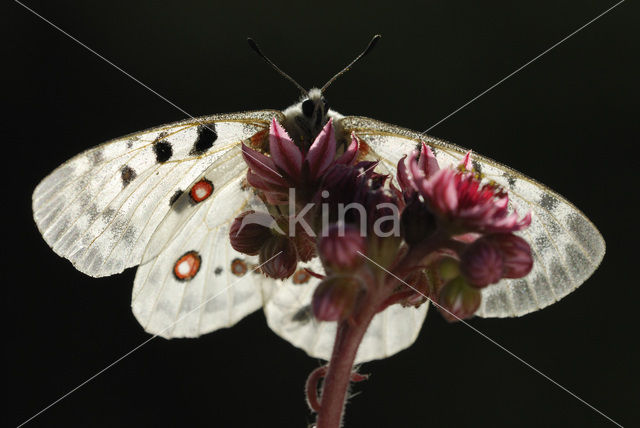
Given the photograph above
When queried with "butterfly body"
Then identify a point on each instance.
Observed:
(164, 199)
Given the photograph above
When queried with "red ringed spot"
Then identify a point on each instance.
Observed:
(187, 266)
(301, 276)
(201, 190)
(238, 267)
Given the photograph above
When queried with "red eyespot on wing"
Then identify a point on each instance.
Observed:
(238, 267)
(301, 276)
(187, 266)
(201, 190)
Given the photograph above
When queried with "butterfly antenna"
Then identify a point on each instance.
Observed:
(368, 49)
(254, 46)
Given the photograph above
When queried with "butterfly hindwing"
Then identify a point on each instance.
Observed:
(100, 208)
(566, 246)
(287, 308)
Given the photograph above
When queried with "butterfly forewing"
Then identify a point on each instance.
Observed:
(100, 208)
(191, 281)
(567, 248)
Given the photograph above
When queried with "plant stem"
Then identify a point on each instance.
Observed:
(336, 383)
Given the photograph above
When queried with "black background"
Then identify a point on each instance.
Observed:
(566, 120)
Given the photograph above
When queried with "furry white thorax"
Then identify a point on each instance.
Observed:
(304, 120)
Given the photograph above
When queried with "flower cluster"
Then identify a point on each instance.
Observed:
(288, 167)
(447, 233)
(460, 227)
(279, 243)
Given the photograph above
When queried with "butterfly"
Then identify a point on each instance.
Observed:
(164, 199)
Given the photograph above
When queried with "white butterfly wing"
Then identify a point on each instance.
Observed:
(566, 246)
(100, 208)
(189, 303)
(288, 313)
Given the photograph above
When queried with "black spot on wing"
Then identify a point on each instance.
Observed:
(218, 271)
(127, 174)
(542, 242)
(477, 166)
(175, 197)
(548, 202)
(511, 180)
(302, 315)
(162, 150)
(130, 141)
(207, 135)
(97, 157)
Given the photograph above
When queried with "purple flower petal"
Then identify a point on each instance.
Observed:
(322, 151)
(352, 151)
(427, 162)
(285, 154)
(466, 161)
(405, 182)
(262, 166)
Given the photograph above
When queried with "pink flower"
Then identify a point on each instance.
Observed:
(458, 196)
(288, 166)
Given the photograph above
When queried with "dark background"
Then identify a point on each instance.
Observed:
(566, 120)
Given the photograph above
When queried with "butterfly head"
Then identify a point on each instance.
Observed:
(305, 119)
(314, 106)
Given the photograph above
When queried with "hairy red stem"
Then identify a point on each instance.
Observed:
(336, 383)
(311, 388)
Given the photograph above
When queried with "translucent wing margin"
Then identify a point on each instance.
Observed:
(288, 313)
(100, 208)
(567, 247)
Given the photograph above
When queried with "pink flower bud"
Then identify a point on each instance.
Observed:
(247, 235)
(482, 263)
(458, 300)
(335, 298)
(339, 249)
(278, 257)
(516, 253)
